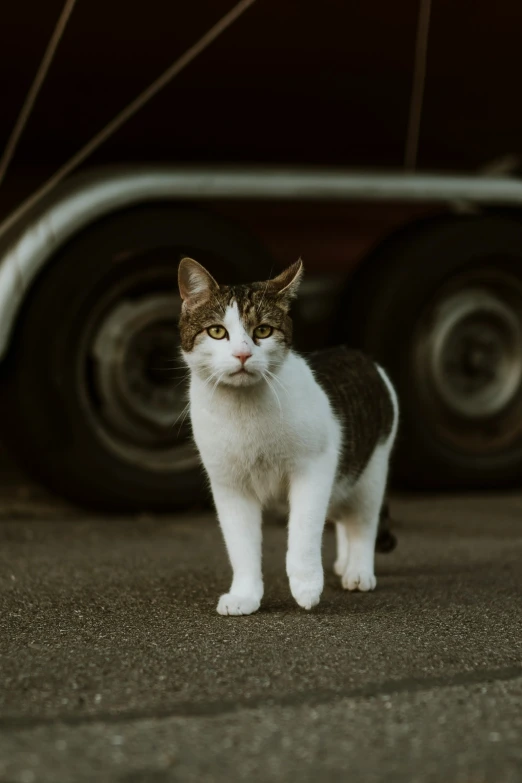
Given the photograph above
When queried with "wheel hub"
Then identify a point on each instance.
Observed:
(475, 353)
(137, 382)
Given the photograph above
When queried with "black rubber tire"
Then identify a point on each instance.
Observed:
(380, 310)
(46, 426)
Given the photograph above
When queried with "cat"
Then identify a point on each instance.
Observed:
(271, 425)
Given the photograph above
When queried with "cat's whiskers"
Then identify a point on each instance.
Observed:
(209, 379)
(171, 377)
(186, 374)
(172, 372)
(184, 411)
(277, 380)
(272, 388)
(187, 408)
(184, 378)
(214, 388)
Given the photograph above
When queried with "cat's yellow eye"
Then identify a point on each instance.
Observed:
(217, 332)
(263, 331)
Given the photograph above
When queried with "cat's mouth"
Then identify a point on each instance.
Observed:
(243, 377)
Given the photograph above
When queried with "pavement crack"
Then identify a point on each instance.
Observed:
(310, 698)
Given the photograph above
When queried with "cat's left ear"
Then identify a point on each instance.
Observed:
(287, 283)
(195, 282)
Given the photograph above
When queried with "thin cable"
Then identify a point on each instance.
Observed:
(129, 111)
(32, 95)
(419, 80)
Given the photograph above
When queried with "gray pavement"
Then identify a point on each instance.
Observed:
(115, 667)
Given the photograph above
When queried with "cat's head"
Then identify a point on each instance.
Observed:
(235, 335)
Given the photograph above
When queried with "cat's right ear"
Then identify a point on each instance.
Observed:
(287, 283)
(195, 283)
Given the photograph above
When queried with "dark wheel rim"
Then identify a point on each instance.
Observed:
(467, 361)
(130, 375)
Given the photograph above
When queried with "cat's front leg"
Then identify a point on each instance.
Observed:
(240, 519)
(310, 491)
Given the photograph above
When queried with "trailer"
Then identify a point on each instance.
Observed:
(412, 244)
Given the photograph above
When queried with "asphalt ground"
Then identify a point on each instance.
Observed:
(115, 666)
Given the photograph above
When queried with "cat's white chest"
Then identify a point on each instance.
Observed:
(256, 441)
(254, 452)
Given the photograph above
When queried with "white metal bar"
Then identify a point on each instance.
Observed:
(115, 187)
(25, 247)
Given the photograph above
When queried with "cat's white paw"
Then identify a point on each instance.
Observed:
(307, 592)
(237, 604)
(356, 578)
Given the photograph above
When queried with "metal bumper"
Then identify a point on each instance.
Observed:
(28, 243)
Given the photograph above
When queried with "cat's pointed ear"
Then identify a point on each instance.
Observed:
(194, 281)
(287, 283)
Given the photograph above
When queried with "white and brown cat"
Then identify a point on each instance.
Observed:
(272, 426)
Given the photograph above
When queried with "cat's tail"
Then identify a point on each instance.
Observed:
(386, 541)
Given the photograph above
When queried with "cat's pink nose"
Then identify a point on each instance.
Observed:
(242, 356)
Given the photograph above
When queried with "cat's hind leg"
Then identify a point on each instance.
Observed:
(341, 562)
(361, 522)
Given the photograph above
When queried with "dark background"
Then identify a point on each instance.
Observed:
(290, 82)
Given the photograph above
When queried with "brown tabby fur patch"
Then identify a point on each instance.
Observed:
(256, 306)
(360, 399)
